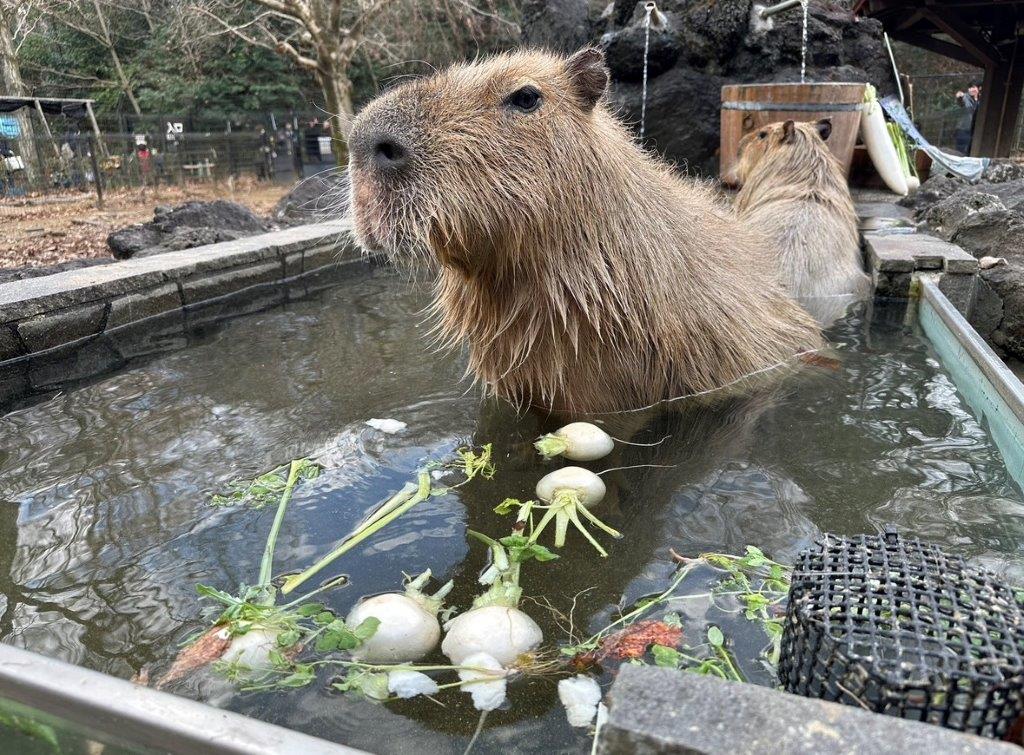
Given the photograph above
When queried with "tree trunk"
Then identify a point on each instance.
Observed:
(11, 81)
(337, 91)
(122, 77)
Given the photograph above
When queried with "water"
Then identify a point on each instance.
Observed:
(804, 4)
(105, 528)
(648, 9)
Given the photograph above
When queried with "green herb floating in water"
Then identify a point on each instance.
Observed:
(470, 463)
(253, 635)
(759, 584)
(267, 488)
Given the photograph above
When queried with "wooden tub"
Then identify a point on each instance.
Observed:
(747, 107)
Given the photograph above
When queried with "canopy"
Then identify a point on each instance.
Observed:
(50, 106)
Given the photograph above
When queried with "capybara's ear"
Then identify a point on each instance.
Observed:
(588, 74)
(824, 128)
(788, 132)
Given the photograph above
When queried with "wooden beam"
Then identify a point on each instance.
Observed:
(907, 22)
(996, 121)
(949, 22)
(939, 46)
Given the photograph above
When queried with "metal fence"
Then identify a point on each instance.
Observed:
(113, 161)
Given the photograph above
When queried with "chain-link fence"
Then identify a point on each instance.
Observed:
(44, 164)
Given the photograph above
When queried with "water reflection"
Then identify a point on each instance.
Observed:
(105, 528)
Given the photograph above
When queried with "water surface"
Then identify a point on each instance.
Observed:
(105, 527)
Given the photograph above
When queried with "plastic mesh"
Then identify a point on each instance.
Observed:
(901, 628)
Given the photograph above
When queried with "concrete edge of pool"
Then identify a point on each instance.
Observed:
(653, 710)
(83, 322)
(139, 716)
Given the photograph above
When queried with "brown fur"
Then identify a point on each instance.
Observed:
(583, 274)
(794, 190)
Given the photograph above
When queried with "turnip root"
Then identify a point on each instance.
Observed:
(252, 649)
(503, 632)
(580, 695)
(485, 681)
(406, 684)
(570, 492)
(408, 628)
(577, 441)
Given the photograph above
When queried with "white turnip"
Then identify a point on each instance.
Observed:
(569, 493)
(503, 632)
(408, 628)
(578, 441)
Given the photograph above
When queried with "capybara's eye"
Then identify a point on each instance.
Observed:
(525, 100)
(763, 135)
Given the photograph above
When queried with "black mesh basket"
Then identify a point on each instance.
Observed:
(901, 628)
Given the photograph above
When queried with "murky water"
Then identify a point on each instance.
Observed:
(105, 527)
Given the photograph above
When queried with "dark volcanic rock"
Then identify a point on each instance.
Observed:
(315, 199)
(623, 62)
(185, 226)
(946, 216)
(558, 25)
(702, 45)
(987, 220)
(682, 116)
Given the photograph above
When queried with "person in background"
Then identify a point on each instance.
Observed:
(969, 101)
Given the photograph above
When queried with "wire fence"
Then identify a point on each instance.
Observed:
(83, 161)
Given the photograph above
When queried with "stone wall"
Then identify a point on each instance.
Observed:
(81, 322)
(704, 45)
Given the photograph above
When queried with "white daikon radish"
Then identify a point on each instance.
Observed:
(875, 135)
(576, 481)
(408, 623)
(578, 441)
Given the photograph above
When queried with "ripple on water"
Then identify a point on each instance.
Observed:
(106, 527)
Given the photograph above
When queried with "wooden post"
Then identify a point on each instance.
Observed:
(95, 127)
(97, 177)
(46, 125)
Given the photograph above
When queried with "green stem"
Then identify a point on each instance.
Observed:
(683, 573)
(372, 526)
(267, 564)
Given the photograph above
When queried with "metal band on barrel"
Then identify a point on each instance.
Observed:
(782, 107)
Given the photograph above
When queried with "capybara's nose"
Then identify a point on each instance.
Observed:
(389, 154)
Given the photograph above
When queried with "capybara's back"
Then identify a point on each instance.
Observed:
(794, 190)
(582, 274)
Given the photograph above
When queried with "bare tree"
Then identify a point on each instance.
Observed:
(319, 36)
(15, 23)
(88, 18)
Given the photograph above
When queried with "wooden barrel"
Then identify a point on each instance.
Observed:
(747, 107)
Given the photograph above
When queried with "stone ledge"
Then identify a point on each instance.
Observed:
(26, 298)
(51, 311)
(657, 710)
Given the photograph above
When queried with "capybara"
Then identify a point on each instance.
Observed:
(583, 274)
(794, 190)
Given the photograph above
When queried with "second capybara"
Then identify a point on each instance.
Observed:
(794, 190)
(582, 273)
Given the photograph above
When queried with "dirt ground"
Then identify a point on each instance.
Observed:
(45, 230)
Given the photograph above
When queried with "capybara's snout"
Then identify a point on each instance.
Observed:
(381, 152)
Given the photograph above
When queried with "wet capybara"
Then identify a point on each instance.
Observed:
(582, 273)
(794, 190)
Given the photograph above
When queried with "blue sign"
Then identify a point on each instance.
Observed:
(9, 127)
